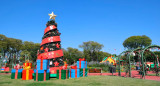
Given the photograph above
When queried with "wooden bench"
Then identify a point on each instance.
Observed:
(95, 70)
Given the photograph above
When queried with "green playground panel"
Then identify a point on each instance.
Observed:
(152, 65)
(104, 58)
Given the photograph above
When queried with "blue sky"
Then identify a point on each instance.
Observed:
(108, 22)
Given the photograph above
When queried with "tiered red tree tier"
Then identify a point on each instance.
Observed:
(51, 47)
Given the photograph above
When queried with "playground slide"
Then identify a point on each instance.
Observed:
(104, 59)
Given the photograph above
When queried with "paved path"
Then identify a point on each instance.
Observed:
(135, 74)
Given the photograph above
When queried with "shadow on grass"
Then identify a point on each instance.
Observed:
(95, 84)
(5, 82)
(45, 84)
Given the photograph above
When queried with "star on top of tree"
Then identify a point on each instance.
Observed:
(52, 16)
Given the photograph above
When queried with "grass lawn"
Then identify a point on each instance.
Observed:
(5, 72)
(88, 81)
(153, 74)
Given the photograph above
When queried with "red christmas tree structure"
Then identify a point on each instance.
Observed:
(50, 46)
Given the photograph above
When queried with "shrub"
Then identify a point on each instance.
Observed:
(104, 66)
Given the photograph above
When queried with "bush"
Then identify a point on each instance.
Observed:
(104, 66)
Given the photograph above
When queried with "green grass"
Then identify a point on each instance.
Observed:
(5, 72)
(87, 81)
(154, 74)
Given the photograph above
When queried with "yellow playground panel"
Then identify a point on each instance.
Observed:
(110, 60)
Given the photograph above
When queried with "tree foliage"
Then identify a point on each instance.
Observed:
(15, 49)
(3, 42)
(134, 42)
(31, 48)
(152, 57)
(71, 55)
(91, 50)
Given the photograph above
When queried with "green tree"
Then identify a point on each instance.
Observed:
(11, 48)
(151, 57)
(27, 46)
(3, 44)
(91, 50)
(157, 53)
(31, 48)
(25, 55)
(14, 44)
(71, 55)
(65, 54)
(102, 54)
(34, 51)
(14, 49)
(134, 42)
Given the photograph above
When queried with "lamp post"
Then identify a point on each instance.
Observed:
(119, 66)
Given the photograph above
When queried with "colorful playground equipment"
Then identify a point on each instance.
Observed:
(143, 65)
(110, 59)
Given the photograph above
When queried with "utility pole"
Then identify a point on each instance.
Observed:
(119, 65)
